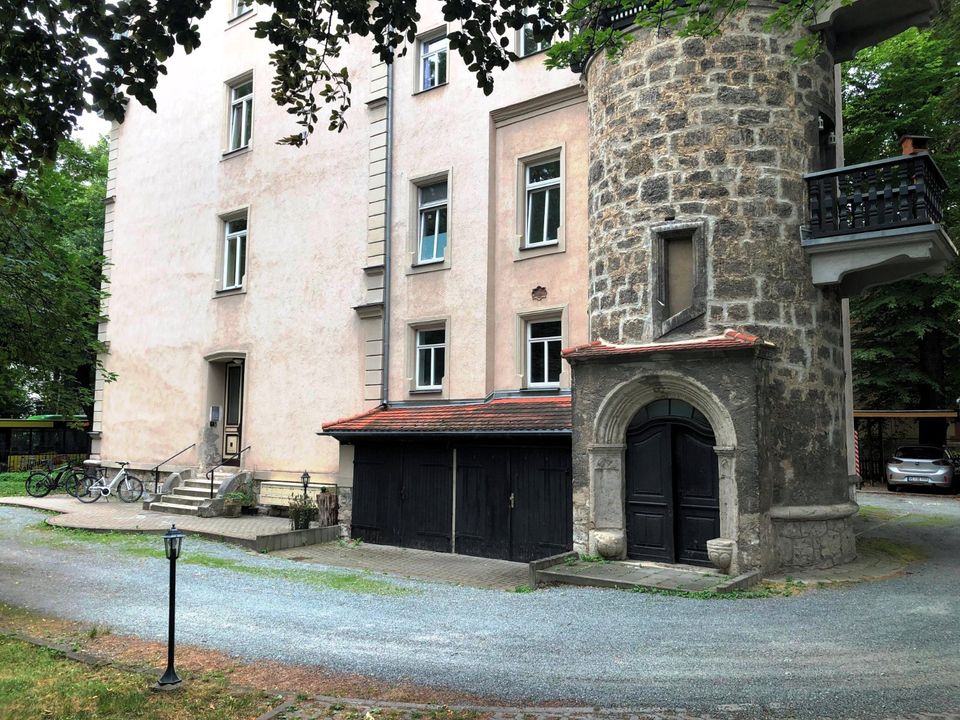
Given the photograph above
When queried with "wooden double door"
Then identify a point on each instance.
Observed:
(672, 485)
(512, 502)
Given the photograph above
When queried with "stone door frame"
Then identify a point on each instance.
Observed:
(607, 454)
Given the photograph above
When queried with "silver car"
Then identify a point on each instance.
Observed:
(923, 465)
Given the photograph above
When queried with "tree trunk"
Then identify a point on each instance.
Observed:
(934, 430)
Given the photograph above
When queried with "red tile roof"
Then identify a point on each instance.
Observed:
(731, 339)
(529, 415)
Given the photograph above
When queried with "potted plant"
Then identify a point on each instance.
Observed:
(232, 503)
(249, 504)
(302, 510)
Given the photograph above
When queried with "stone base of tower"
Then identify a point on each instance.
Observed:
(822, 539)
(675, 444)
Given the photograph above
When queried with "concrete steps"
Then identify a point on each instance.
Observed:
(191, 496)
(174, 508)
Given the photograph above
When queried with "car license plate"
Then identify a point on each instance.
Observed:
(914, 478)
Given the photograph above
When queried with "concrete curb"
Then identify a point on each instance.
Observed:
(543, 563)
(740, 582)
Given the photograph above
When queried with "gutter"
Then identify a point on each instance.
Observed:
(388, 226)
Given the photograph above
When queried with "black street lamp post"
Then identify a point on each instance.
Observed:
(305, 480)
(171, 546)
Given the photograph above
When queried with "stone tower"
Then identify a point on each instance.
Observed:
(700, 293)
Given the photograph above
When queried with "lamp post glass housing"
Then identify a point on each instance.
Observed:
(172, 542)
(305, 480)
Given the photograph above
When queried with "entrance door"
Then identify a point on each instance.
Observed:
(672, 484)
(233, 410)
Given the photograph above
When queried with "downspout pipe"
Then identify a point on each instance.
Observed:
(387, 232)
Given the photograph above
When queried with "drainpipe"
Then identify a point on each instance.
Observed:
(388, 225)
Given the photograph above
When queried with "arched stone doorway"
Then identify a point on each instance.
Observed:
(672, 484)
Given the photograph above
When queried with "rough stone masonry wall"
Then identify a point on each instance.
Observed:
(721, 130)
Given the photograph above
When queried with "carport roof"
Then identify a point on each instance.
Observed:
(730, 340)
(550, 415)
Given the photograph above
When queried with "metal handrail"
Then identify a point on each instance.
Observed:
(222, 462)
(156, 469)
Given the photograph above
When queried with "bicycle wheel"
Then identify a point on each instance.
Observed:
(74, 482)
(38, 484)
(130, 488)
(89, 489)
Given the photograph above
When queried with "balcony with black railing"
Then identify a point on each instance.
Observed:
(876, 222)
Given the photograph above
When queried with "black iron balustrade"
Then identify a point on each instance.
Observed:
(886, 194)
(156, 468)
(224, 461)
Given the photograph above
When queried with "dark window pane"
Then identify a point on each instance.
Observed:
(438, 365)
(441, 233)
(553, 361)
(433, 193)
(240, 90)
(544, 171)
(548, 328)
(425, 368)
(553, 213)
(536, 209)
(432, 337)
(537, 369)
(234, 392)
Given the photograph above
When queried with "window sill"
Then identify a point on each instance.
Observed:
(421, 268)
(239, 19)
(422, 91)
(426, 391)
(527, 252)
(533, 54)
(227, 154)
(242, 290)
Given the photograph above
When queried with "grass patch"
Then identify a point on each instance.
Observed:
(904, 552)
(40, 683)
(766, 589)
(930, 520)
(13, 484)
(877, 514)
(149, 546)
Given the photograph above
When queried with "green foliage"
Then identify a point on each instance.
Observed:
(765, 590)
(47, 49)
(302, 510)
(51, 237)
(904, 333)
(13, 484)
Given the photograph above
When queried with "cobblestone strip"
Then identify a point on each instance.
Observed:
(331, 708)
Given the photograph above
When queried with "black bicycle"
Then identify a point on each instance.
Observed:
(41, 483)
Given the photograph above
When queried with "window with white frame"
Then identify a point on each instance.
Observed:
(430, 358)
(529, 44)
(242, 7)
(433, 62)
(544, 341)
(432, 222)
(542, 181)
(241, 114)
(234, 252)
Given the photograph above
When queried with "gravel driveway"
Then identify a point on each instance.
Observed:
(871, 650)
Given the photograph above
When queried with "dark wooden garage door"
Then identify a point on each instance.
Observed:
(402, 495)
(512, 502)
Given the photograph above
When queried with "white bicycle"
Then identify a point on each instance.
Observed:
(127, 487)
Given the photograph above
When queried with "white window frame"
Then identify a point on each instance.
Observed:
(530, 188)
(422, 211)
(529, 351)
(233, 278)
(538, 45)
(245, 102)
(442, 48)
(432, 348)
